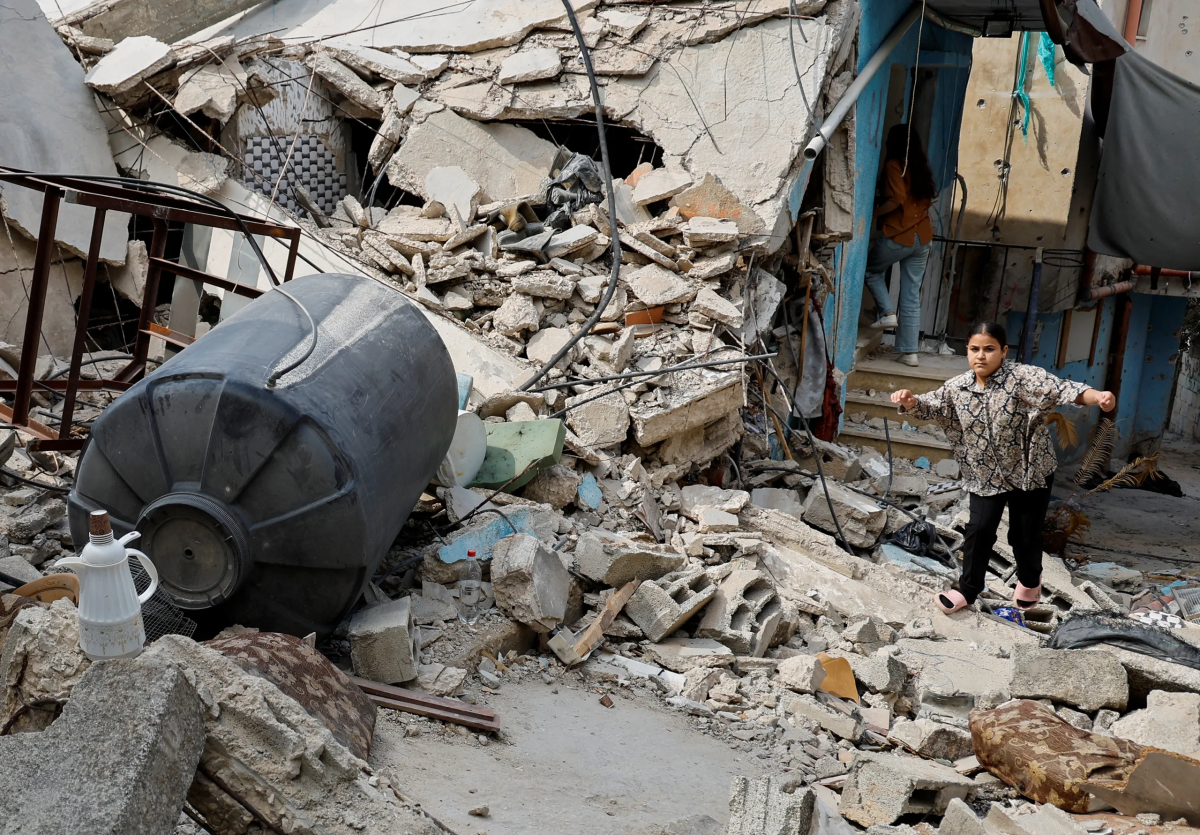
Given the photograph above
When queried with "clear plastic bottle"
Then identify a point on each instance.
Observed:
(470, 589)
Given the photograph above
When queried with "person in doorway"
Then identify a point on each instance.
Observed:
(995, 418)
(907, 194)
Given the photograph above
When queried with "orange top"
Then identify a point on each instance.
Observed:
(909, 222)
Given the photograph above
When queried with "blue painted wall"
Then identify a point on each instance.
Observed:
(1147, 373)
(950, 52)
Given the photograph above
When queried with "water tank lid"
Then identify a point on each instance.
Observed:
(200, 548)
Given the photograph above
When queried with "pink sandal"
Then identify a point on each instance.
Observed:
(1025, 597)
(950, 601)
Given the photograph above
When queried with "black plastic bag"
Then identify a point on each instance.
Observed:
(1086, 629)
(916, 537)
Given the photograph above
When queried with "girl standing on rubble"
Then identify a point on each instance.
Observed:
(907, 192)
(995, 418)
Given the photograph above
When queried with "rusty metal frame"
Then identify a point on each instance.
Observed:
(104, 197)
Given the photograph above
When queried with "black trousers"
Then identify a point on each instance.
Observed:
(1026, 513)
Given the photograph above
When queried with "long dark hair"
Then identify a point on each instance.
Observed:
(899, 146)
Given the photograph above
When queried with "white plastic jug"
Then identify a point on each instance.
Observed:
(110, 609)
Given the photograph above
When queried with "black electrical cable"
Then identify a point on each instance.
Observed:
(5, 471)
(816, 454)
(583, 381)
(614, 236)
(95, 361)
(312, 343)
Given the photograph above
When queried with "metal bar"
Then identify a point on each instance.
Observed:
(1031, 308)
(32, 427)
(293, 251)
(81, 323)
(37, 305)
(435, 707)
(1111, 290)
(158, 245)
(1142, 269)
(137, 206)
(206, 278)
(169, 336)
(9, 386)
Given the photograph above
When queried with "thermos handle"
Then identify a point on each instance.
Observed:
(150, 569)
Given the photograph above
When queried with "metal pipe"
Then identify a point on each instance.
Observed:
(1142, 269)
(1110, 290)
(1133, 19)
(1031, 309)
(839, 111)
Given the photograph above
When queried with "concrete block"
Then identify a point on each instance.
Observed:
(24, 523)
(903, 485)
(556, 486)
(131, 61)
(530, 65)
(1169, 720)
(695, 496)
(117, 762)
(862, 520)
(932, 740)
(687, 409)
(683, 654)
(659, 184)
(960, 819)
(769, 806)
(838, 724)
(776, 498)
(1086, 679)
(881, 672)
(744, 613)
(711, 306)
(662, 606)
(530, 582)
(547, 342)
(440, 680)
(715, 520)
(599, 423)
(20, 569)
(383, 642)
(613, 560)
(40, 665)
(801, 673)
(656, 285)
(705, 231)
(882, 787)
(698, 681)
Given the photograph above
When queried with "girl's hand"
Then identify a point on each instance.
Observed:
(905, 398)
(1106, 400)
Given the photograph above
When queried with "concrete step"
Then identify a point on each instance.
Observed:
(884, 374)
(868, 340)
(910, 445)
(879, 406)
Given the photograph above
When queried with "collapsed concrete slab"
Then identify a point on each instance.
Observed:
(383, 642)
(69, 136)
(1085, 679)
(614, 560)
(769, 806)
(1169, 720)
(882, 787)
(862, 520)
(117, 762)
(683, 654)
(530, 582)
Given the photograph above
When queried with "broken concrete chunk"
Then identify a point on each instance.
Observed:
(882, 787)
(769, 806)
(709, 198)
(440, 680)
(705, 231)
(662, 606)
(599, 423)
(801, 673)
(547, 342)
(368, 62)
(656, 286)
(119, 760)
(1086, 679)
(383, 642)
(556, 486)
(659, 184)
(695, 496)
(712, 306)
(687, 410)
(932, 740)
(623, 23)
(614, 560)
(572, 240)
(516, 315)
(715, 520)
(862, 520)
(530, 582)
(714, 267)
(40, 665)
(132, 61)
(683, 654)
(530, 65)
(777, 498)
(744, 614)
(837, 723)
(544, 283)
(345, 81)
(212, 90)
(452, 186)
(1169, 720)
(960, 819)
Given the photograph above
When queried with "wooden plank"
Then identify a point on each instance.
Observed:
(179, 340)
(433, 707)
(591, 637)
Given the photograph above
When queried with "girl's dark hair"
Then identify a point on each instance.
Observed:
(900, 147)
(993, 329)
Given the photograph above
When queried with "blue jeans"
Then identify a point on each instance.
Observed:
(884, 253)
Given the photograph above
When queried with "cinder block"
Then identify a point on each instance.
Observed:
(882, 787)
(744, 614)
(383, 642)
(530, 582)
(769, 806)
(661, 607)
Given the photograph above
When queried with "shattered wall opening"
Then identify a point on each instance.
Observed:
(627, 146)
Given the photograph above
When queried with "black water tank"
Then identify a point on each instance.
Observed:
(271, 508)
